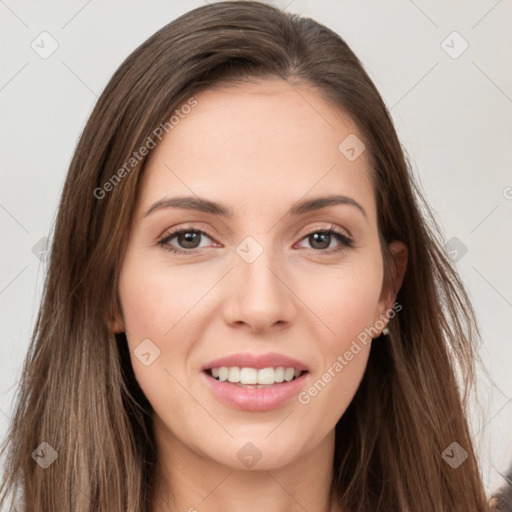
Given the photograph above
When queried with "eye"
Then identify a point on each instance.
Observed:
(321, 239)
(187, 238)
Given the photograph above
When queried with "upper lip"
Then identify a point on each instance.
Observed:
(258, 361)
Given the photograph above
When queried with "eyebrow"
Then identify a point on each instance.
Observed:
(211, 207)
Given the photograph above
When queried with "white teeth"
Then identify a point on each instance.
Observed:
(234, 374)
(289, 373)
(248, 376)
(223, 373)
(267, 376)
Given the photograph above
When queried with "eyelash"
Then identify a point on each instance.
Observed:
(345, 241)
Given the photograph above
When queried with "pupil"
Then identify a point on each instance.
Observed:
(188, 239)
(316, 236)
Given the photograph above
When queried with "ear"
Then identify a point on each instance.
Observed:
(390, 289)
(116, 324)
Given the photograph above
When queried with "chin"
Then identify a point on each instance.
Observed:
(255, 454)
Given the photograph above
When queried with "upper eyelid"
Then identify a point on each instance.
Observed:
(330, 225)
(173, 232)
(169, 235)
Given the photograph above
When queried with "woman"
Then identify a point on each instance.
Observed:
(245, 307)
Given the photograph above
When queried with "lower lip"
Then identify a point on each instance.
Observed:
(255, 399)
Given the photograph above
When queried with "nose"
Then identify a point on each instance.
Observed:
(258, 296)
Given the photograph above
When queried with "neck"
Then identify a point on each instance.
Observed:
(186, 480)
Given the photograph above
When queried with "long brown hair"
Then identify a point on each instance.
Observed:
(78, 392)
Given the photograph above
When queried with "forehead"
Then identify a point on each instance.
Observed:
(243, 143)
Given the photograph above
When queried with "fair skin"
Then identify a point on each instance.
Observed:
(257, 148)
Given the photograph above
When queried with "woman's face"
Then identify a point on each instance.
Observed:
(264, 286)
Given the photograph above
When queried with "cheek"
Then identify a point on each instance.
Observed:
(153, 309)
(344, 356)
(346, 302)
(324, 401)
(155, 300)
(343, 298)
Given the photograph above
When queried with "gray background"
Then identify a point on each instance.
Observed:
(453, 116)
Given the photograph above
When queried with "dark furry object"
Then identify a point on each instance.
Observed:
(502, 501)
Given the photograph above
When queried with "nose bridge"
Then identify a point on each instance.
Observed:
(260, 297)
(256, 265)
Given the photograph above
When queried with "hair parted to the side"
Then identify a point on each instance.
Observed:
(78, 391)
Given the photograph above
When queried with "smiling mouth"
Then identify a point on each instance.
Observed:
(254, 378)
